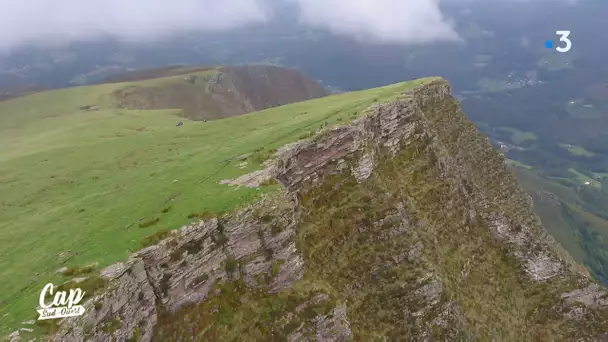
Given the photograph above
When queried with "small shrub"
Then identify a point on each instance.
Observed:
(98, 305)
(78, 270)
(166, 210)
(140, 296)
(149, 223)
(164, 283)
(204, 215)
(275, 268)
(221, 240)
(266, 218)
(48, 326)
(306, 135)
(191, 247)
(291, 327)
(155, 238)
(111, 325)
(177, 254)
(231, 265)
(270, 182)
(268, 253)
(90, 285)
(260, 155)
(200, 279)
(88, 327)
(262, 279)
(276, 229)
(137, 334)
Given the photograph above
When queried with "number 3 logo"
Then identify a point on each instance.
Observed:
(564, 38)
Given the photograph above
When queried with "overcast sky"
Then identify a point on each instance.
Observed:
(48, 21)
(385, 20)
(56, 21)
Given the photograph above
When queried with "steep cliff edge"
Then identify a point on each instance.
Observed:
(403, 224)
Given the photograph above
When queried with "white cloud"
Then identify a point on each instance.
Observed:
(400, 21)
(56, 21)
(60, 21)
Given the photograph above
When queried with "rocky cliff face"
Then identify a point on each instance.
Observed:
(404, 224)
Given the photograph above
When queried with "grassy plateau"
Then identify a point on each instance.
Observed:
(81, 186)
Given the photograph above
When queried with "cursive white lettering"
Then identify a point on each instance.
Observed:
(61, 298)
(47, 287)
(75, 297)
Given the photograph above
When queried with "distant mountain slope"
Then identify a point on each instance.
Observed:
(565, 214)
(147, 74)
(18, 91)
(219, 93)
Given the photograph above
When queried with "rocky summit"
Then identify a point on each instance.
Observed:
(404, 224)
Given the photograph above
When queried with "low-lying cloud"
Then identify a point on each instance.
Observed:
(400, 21)
(46, 21)
(59, 21)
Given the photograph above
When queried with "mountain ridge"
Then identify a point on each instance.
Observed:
(213, 93)
(403, 223)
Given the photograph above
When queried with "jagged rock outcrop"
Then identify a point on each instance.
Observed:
(183, 269)
(404, 225)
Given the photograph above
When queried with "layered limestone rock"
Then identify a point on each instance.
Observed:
(183, 269)
(404, 224)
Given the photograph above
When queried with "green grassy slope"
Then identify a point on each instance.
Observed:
(75, 185)
(579, 231)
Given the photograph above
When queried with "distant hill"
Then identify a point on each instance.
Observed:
(570, 218)
(147, 74)
(11, 93)
(212, 93)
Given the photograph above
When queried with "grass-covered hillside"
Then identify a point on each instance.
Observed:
(85, 181)
(573, 215)
(554, 133)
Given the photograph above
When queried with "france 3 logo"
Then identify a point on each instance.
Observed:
(564, 37)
